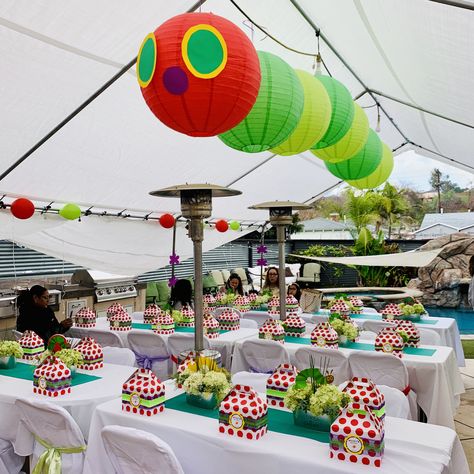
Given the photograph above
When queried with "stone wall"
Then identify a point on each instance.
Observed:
(445, 280)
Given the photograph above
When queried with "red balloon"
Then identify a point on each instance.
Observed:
(199, 74)
(167, 221)
(222, 225)
(22, 208)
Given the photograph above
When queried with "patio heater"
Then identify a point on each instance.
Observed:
(281, 217)
(196, 205)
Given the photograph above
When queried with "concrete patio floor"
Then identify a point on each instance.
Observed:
(464, 419)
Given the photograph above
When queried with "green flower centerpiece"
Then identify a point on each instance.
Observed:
(412, 311)
(10, 351)
(315, 403)
(346, 329)
(70, 357)
(205, 384)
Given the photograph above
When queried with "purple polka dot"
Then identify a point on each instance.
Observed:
(175, 80)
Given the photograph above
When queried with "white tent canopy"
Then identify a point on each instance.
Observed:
(54, 55)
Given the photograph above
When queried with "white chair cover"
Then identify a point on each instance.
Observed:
(368, 309)
(10, 463)
(218, 278)
(319, 318)
(137, 316)
(52, 424)
(179, 342)
(134, 451)
(151, 352)
(377, 326)
(17, 334)
(105, 338)
(333, 361)
(367, 335)
(428, 337)
(257, 381)
(264, 356)
(248, 323)
(119, 356)
(384, 369)
(225, 274)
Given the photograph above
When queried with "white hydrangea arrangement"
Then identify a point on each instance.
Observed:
(11, 348)
(344, 328)
(416, 308)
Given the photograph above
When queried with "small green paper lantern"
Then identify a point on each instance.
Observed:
(342, 112)
(314, 119)
(362, 164)
(381, 173)
(70, 212)
(276, 112)
(351, 143)
(234, 225)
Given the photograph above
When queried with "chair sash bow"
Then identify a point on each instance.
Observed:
(146, 362)
(50, 461)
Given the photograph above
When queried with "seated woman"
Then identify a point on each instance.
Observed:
(272, 282)
(294, 289)
(35, 314)
(234, 285)
(181, 294)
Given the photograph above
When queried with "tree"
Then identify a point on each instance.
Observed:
(442, 184)
(360, 208)
(390, 205)
(435, 183)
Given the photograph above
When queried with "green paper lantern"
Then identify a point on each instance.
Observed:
(381, 173)
(276, 112)
(314, 119)
(234, 225)
(342, 112)
(70, 212)
(351, 143)
(362, 164)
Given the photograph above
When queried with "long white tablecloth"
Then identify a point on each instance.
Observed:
(435, 379)
(80, 403)
(447, 329)
(409, 446)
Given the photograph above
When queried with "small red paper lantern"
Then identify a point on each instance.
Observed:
(222, 225)
(22, 208)
(199, 74)
(167, 221)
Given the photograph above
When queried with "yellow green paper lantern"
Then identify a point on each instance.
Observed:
(351, 143)
(381, 173)
(276, 112)
(342, 111)
(314, 119)
(70, 212)
(362, 164)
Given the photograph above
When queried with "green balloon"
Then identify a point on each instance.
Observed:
(342, 113)
(362, 164)
(234, 225)
(70, 212)
(380, 175)
(276, 111)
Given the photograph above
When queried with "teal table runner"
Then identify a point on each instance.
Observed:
(278, 421)
(377, 317)
(364, 346)
(25, 372)
(177, 329)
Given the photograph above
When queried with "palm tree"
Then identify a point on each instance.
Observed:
(360, 209)
(391, 203)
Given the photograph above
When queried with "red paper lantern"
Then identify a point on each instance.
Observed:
(222, 225)
(22, 208)
(199, 74)
(167, 221)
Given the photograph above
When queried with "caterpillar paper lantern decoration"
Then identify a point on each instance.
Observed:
(199, 74)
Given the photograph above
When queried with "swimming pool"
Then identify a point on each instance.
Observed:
(464, 317)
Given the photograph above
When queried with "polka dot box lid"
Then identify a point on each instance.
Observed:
(272, 330)
(357, 436)
(115, 308)
(52, 378)
(120, 321)
(229, 320)
(362, 390)
(211, 326)
(410, 330)
(341, 307)
(274, 305)
(356, 301)
(392, 309)
(390, 342)
(243, 413)
(143, 393)
(188, 314)
(278, 384)
(253, 297)
(163, 324)
(324, 335)
(31, 344)
(291, 304)
(92, 353)
(294, 326)
(208, 300)
(85, 318)
(150, 313)
(242, 303)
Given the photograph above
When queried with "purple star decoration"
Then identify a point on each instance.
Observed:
(174, 259)
(262, 249)
(262, 262)
(172, 282)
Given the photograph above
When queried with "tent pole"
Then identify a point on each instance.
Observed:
(457, 4)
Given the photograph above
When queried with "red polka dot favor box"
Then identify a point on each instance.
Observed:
(340, 307)
(31, 344)
(242, 304)
(152, 311)
(92, 353)
(324, 335)
(143, 393)
(115, 308)
(357, 436)
(254, 301)
(211, 326)
(121, 321)
(163, 324)
(294, 325)
(243, 413)
(187, 317)
(52, 378)
(85, 318)
(209, 301)
(363, 391)
(229, 320)
(272, 330)
(357, 304)
(389, 341)
(278, 384)
(274, 306)
(291, 305)
(392, 311)
(410, 331)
